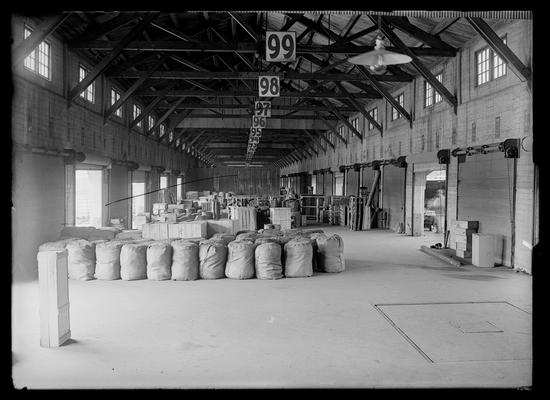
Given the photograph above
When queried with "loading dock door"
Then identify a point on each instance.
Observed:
(393, 194)
(352, 187)
(485, 187)
(328, 184)
(368, 179)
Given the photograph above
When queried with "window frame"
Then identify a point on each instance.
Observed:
(87, 90)
(118, 112)
(355, 123)
(135, 107)
(491, 67)
(35, 55)
(395, 114)
(373, 112)
(434, 98)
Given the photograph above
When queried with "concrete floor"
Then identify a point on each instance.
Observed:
(323, 331)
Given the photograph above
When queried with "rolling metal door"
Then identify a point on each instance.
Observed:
(485, 187)
(328, 184)
(352, 187)
(393, 187)
(319, 184)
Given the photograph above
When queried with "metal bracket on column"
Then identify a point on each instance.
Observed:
(444, 156)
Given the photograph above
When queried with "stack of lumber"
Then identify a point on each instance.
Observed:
(246, 217)
(463, 237)
(356, 208)
(281, 216)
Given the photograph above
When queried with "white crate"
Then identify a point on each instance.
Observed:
(55, 326)
(483, 250)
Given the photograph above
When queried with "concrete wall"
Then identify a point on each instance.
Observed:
(438, 127)
(38, 190)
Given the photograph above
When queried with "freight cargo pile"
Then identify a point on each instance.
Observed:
(264, 254)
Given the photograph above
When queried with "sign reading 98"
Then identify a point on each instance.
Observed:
(268, 86)
(280, 46)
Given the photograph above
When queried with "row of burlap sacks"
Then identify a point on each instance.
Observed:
(266, 255)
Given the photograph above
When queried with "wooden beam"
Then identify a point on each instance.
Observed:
(404, 25)
(174, 122)
(322, 136)
(163, 118)
(42, 32)
(316, 140)
(357, 35)
(344, 120)
(247, 28)
(175, 32)
(291, 21)
(106, 61)
(236, 75)
(389, 98)
(252, 93)
(334, 130)
(420, 67)
(359, 107)
(151, 105)
(118, 69)
(98, 30)
(248, 47)
(126, 95)
(495, 42)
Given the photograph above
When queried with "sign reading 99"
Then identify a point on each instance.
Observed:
(280, 46)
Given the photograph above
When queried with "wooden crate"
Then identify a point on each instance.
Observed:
(467, 224)
(189, 229)
(53, 282)
(155, 231)
(214, 226)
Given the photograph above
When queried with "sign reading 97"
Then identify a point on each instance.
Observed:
(268, 86)
(280, 46)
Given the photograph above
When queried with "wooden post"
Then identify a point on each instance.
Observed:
(54, 298)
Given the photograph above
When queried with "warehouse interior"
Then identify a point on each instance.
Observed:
(242, 199)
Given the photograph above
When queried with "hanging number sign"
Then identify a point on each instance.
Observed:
(262, 108)
(280, 46)
(268, 86)
(259, 122)
(255, 132)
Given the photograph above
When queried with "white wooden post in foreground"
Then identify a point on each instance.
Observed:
(54, 298)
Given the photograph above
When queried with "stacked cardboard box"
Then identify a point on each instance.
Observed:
(463, 237)
(141, 219)
(159, 207)
(281, 216)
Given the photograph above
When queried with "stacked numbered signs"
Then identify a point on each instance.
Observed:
(279, 47)
(262, 110)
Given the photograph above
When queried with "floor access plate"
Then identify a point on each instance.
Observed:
(455, 332)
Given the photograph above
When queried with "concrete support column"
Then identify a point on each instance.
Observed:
(409, 200)
(452, 199)
(419, 187)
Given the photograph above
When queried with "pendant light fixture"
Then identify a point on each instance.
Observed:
(379, 58)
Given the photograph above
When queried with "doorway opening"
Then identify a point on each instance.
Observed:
(88, 195)
(434, 206)
(138, 201)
